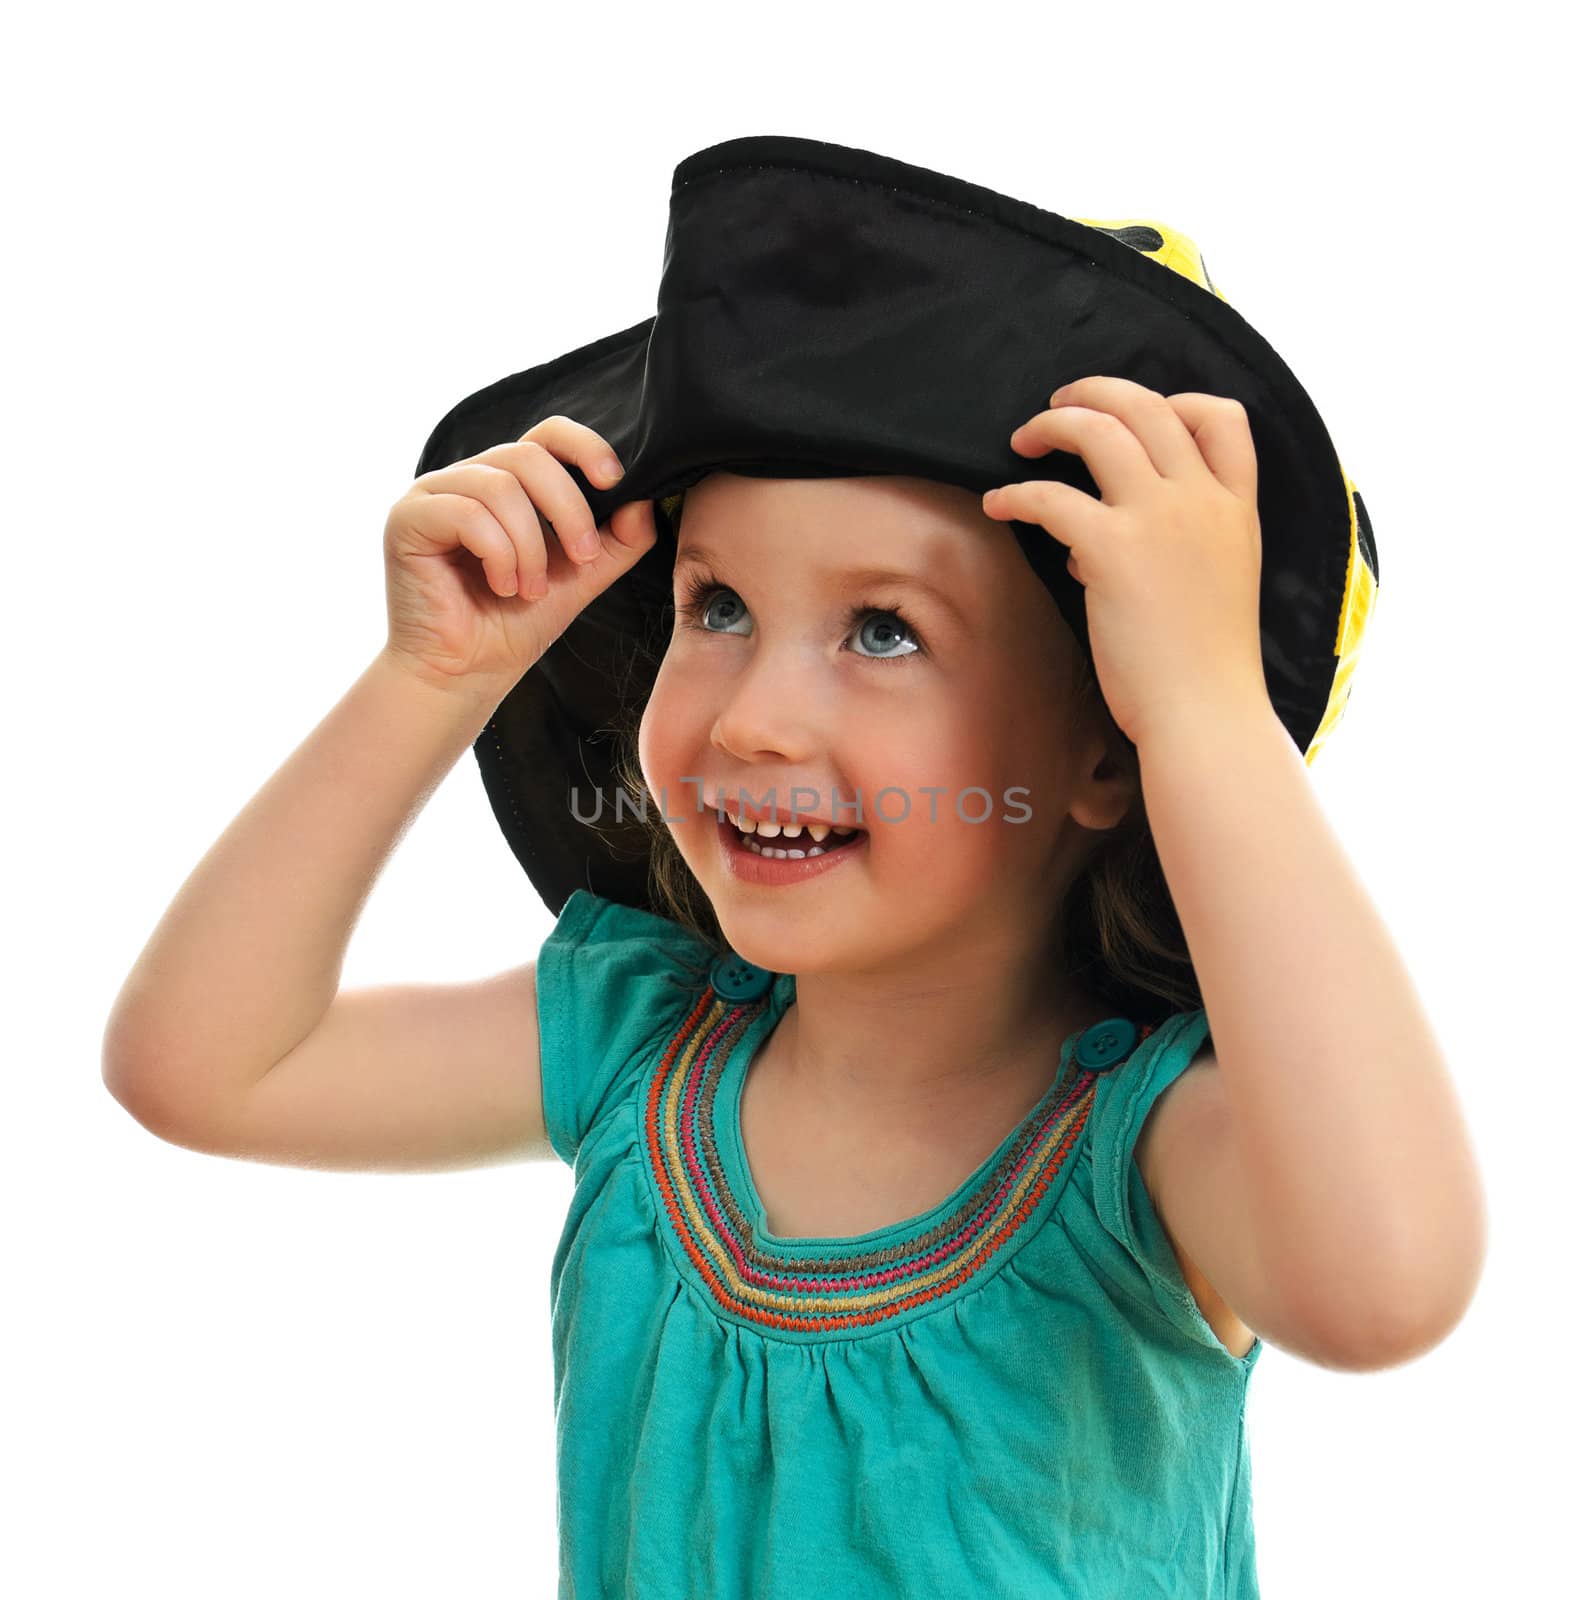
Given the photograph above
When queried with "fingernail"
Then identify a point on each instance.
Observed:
(613, 469)
(587, 545)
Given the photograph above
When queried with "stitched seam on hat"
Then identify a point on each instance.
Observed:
(509, 788)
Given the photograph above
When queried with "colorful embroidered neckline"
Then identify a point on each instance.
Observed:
(808, 1286)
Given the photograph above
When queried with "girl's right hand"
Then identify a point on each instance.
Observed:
(477, 587)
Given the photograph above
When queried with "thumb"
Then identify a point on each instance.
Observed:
(624, 540)
(632, 525)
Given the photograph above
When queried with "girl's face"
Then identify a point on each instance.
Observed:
(788, 671)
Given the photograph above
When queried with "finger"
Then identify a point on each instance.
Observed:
(581, 445)
(1115, 457)
(1145, 414)
(633, 524)
(463, 520)
(1071, 515)
(553, 500)
(1220, 428)
(503, 493)
(626, 538)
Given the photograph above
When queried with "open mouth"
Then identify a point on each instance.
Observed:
(794, 847)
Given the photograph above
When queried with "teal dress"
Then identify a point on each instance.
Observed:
(1012, 1394)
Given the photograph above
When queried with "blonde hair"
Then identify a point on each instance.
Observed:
(1117, 928)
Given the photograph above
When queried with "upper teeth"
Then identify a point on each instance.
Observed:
(769, 830)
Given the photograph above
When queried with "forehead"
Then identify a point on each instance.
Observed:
(877, 519)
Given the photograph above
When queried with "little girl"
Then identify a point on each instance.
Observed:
(922, 1240)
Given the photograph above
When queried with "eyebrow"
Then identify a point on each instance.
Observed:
(851, 577)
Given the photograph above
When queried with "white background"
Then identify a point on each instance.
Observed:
(256, 254)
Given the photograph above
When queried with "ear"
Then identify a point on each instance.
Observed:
(1103, 777)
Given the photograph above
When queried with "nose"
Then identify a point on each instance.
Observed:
(772, 708)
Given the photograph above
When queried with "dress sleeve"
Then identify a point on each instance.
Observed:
(612, 983)
(1125, 1096)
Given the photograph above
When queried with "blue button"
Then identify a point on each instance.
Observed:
(739, 980)
(1105, 1044)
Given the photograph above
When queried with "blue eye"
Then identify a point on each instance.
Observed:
(888, 620)
(701, 587)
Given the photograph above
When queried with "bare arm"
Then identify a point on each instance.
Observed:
(1322, 1172)
(230, 1032)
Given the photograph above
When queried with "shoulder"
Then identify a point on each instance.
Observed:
(607, 954)
(612, 981)
(612, 929)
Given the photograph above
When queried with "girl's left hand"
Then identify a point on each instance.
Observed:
(1170, 557)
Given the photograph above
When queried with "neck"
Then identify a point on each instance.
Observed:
(929, 1046)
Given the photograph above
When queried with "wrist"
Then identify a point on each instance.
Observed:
(472, 693)
(1204, 716)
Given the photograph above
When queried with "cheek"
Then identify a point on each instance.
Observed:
(670, 737)
(985, 748)
(660, 751)
(647, 746)
(927, 777)
(955, 747)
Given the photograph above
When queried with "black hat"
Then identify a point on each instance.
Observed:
(830, 312)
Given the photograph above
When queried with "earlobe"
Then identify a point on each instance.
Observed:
(1101, 807)
(1106, 783)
